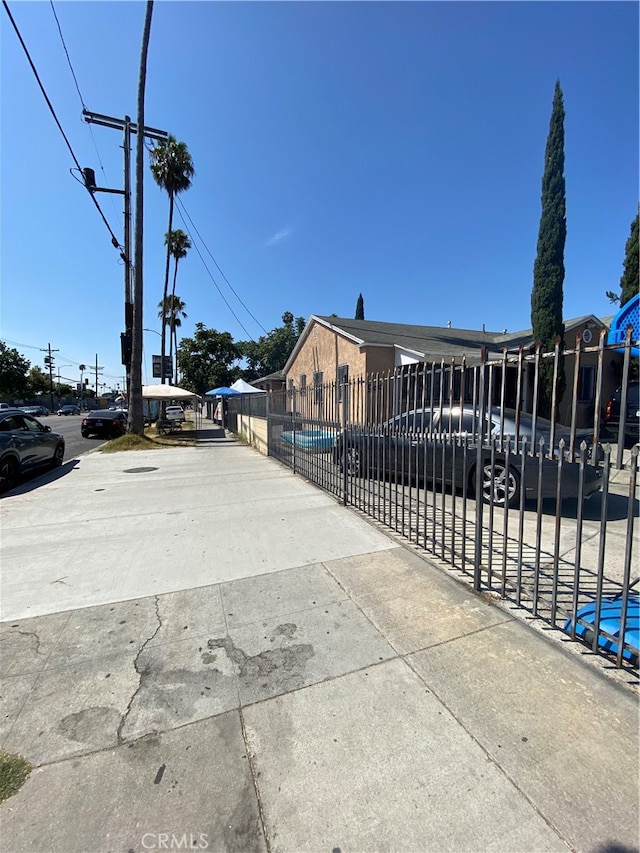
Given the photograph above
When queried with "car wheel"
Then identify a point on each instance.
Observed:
(8, 474)
(500, 486)
(85, 434)
(353, 462)
(58, 456)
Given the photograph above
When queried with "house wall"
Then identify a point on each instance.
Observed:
(324, 350)
(611, 378)
(254, 430)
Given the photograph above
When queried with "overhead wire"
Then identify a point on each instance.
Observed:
(182, 209)
(84, 106)
(204, 263)
(114, 240)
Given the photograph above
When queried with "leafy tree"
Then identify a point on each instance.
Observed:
(360, 308)
(548, 269)
(172, 169)
(270, 352)
(630, 281)
(13, 373)
(206, 360)
(38, 382)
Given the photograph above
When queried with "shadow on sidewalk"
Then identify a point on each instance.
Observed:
(212, 435)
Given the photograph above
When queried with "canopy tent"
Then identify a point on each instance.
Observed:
(221, 392)
(244, 388)
(166, 392)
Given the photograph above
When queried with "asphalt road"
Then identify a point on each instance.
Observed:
(69, 427)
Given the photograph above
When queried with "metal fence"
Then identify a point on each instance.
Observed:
(533, 511)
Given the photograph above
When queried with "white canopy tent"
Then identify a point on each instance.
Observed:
(164, 393)
(244, 388)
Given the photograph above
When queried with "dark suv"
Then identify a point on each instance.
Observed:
(632, 419)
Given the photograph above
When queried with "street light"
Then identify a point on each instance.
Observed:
(60, 366)
(82, 369)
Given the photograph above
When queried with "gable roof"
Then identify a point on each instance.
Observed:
(425, 341)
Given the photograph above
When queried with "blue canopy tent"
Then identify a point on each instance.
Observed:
(221, 392)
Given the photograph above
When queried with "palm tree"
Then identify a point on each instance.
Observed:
(172, 169)
(170, 314)
(136, 423)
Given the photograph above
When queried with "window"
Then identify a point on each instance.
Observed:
(303, 383)
(318, 376)
(343, 378)
(290, 387)
(586, 384)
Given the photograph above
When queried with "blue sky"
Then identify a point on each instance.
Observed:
(392, 149)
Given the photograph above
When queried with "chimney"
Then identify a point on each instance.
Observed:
(483, 329)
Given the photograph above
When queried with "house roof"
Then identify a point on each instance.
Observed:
(426, 341)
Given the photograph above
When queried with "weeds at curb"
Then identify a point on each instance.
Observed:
(14, 770)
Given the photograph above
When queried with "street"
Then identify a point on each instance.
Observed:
(69, 427)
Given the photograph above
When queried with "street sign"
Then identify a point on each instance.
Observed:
(168, 366)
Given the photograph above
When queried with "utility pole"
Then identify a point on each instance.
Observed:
(97, 368)
(48, 361)
(128, 127)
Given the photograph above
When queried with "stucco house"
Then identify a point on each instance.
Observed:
(332, 349)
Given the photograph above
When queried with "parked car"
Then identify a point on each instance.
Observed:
(610, 625)
(105, 423)
(36, 411)
(26, 445)
(175, 413)
(68, 410)
(632, 418)
(420, 445)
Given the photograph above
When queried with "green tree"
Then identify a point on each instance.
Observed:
(207, 360)
(37, 381)
(171, 314)
(172, 169)
(13, 373)
(360, 308)
(630, 281)
(548, 269)
(270, 353)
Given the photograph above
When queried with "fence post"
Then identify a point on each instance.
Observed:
(623, 400)
(598, 398)
(477, 559)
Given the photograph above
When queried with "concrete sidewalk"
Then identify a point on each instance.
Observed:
(202, 651)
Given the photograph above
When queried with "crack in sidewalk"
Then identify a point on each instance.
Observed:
(127, 711)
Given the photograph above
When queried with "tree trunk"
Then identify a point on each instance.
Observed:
(165, 292)
(136, 423)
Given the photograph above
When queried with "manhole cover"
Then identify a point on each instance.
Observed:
(138, 470)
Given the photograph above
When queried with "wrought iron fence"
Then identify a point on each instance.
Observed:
(529, 507)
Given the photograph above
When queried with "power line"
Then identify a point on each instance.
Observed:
(204, 263)
(75, 80)
(183, 209)
(114, 239)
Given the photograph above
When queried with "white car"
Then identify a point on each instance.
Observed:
(175, 413)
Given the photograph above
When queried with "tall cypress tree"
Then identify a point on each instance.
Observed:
(548, 269)
(630, 281)
(360, 308)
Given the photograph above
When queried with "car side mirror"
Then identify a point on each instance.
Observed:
(47, 428)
